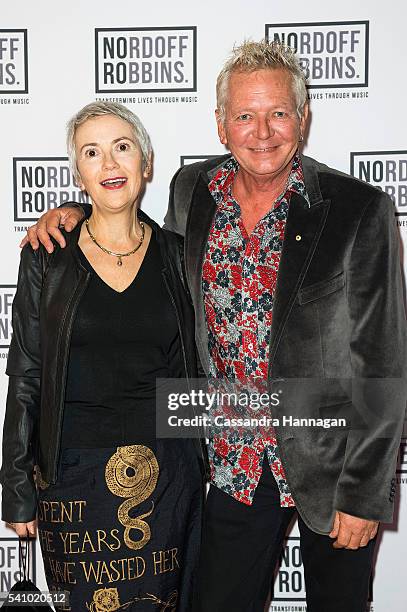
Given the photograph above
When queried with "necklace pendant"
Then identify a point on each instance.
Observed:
(118, 255)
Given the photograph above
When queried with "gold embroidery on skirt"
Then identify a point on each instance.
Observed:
(41, 484)
(132, 472)
(105, 600)
(165, 606)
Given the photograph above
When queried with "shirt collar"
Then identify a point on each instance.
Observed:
(221, 184)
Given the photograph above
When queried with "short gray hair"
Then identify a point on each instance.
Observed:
(98, 109)
(251, 56)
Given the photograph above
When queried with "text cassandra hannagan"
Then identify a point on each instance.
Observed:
(221, 421)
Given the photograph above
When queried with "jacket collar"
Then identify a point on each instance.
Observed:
(311, 180)
(309, 167)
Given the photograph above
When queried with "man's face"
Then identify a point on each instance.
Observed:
(261, 127)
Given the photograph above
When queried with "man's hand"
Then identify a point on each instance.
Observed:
(25, 529)
(48, 225)
(352, 532)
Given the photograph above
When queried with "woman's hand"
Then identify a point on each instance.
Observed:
(25, 529)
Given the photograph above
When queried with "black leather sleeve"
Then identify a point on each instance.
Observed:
(183, 276)
(19, 499)
(87, 208)
(175, 217)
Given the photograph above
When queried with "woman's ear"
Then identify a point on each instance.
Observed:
(80, 182)
(148, 168)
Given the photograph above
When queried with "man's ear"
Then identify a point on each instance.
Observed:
(304, 119)
(221, 128)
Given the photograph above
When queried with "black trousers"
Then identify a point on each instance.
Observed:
(241, 545)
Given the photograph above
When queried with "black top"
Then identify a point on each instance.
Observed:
(121, 342)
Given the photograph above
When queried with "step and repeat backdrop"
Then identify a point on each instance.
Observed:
(161, 59)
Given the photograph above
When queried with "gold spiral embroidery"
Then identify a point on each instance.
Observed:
(132, 472)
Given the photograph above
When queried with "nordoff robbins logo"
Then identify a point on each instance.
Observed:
(145, 59)
(290, 583)
(9, 563)
(7, 293)
(332, 54)
(402, 459)
(384, 169)
(13, 61)
(41, 183)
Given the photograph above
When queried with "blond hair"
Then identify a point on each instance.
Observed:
(251, 56)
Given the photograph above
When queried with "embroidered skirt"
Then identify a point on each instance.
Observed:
(121, 528)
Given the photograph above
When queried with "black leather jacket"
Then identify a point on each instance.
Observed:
(48, 293)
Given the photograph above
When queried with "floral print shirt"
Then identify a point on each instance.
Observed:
(238, 280)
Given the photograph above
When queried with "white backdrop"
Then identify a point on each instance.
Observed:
(161, 59)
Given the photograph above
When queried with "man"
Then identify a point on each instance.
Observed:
(294, 273)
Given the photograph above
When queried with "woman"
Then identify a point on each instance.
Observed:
(95, 324)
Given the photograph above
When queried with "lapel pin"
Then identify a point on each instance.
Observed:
(298, 237)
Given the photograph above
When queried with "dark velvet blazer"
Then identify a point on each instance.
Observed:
(338, 338)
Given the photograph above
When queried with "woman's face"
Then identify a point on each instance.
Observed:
(109, 162)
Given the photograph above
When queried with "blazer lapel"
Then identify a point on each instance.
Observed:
(201, 213)
(303, 229)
